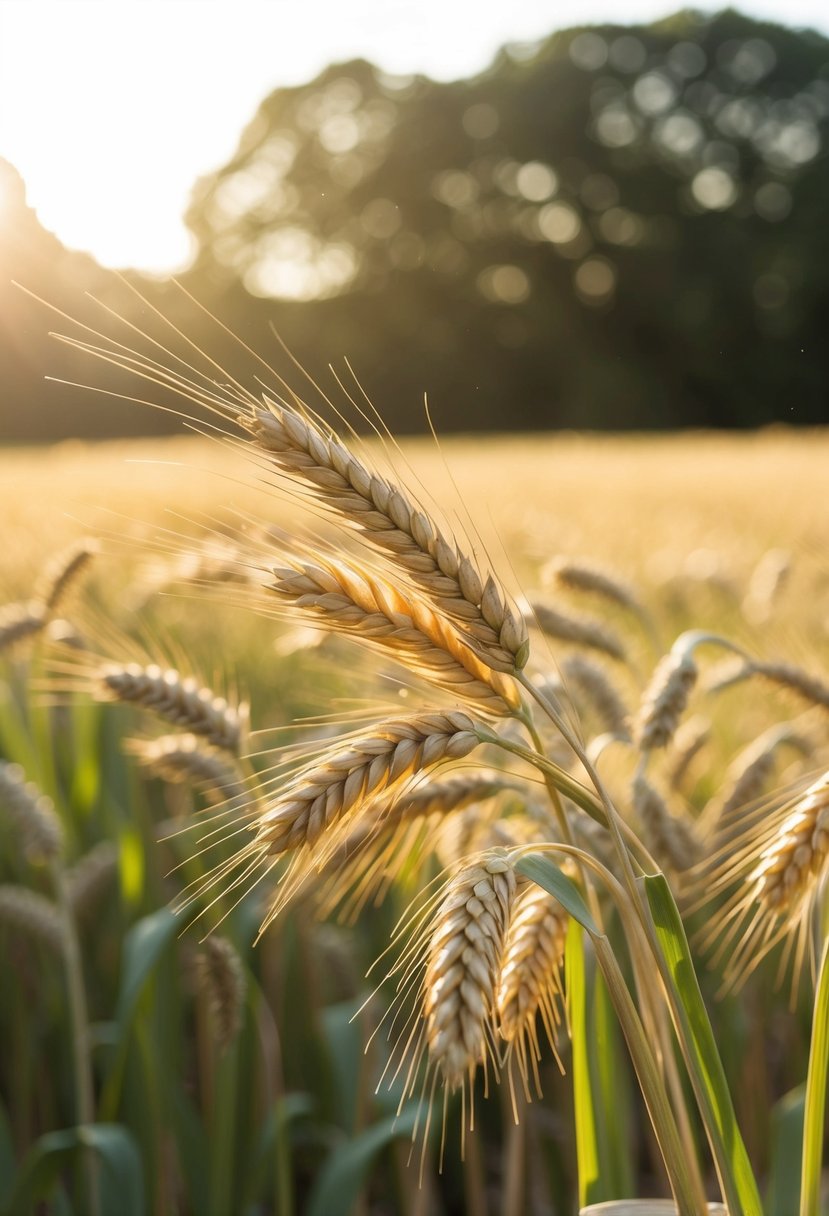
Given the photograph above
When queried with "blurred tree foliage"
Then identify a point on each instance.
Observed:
(621, 227)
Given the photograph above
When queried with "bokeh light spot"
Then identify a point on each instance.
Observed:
(504, 284)
(714, 188)
(595, 281)
(588, 52)
(536, 181)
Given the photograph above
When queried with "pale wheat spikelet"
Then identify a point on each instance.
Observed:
(689, 740)
(767, 582)
(335, 789)
(463, 967)
(62, 575)
(530, 980)
(223, 984)
(19, 624)
(393, 833)
(747, 776)
(90, 878)
(671, 838)
(29, 914)
(387, 518)
(597, 689)
(580, 630)
(584, 577)
(665, 699)
(176, 698)
(184, 758)
(774, 871)
(32, 814)
(354, 601)
(794, 679)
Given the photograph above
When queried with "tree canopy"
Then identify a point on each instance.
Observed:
(620, 227)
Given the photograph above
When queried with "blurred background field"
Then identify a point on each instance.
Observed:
(273, 1109)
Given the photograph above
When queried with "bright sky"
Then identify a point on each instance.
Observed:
(110, 109)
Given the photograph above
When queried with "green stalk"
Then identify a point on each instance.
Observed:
(79, 1020)
(815, 1106)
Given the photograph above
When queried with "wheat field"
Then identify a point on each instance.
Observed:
(243, 760)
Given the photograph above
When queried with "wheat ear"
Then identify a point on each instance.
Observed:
(354, 601)
(595, 686)
(387, 518)
(580, 630)
(184, 758)
(463, 967)
(668, 836)
(330, 792)
(62, 575)
(530, 979)
(176, 698)
(32, 813)
(665, 699)
(223, 984)
(27, 912)
(19, 623)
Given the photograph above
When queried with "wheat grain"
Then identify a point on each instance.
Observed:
(668, 836)
(356, 602)
(62, 575)
(597, 689)
(89, 879)
(184, 758)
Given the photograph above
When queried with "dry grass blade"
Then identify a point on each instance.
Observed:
(31, 813)
(177, 698)
(577, 629)
(354, 601)
(387, 518)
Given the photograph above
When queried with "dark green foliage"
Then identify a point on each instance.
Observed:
(624, 228)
